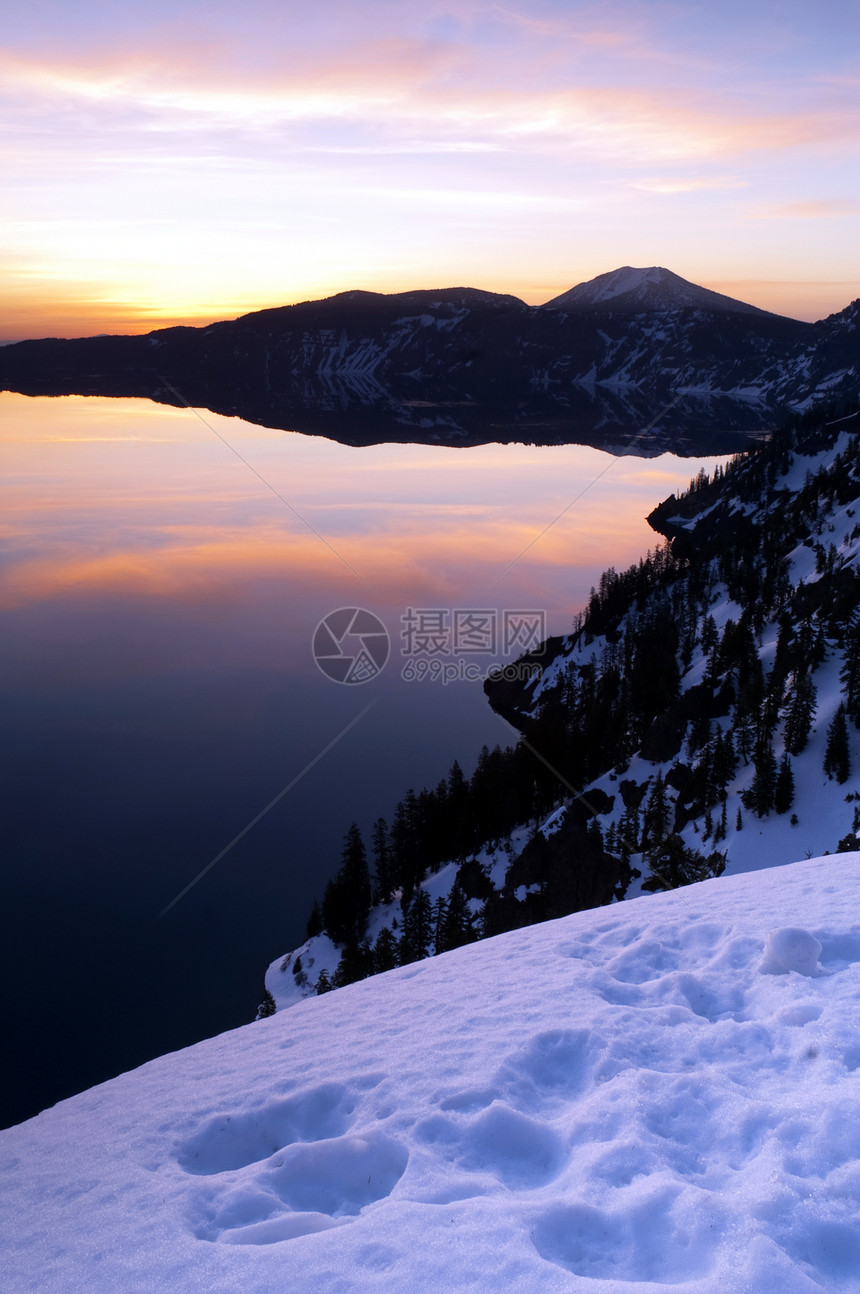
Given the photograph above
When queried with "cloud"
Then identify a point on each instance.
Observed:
(688, 184)
(808, 209)
(397, 92)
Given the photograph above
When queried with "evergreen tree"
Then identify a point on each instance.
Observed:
(346, 902)
(675, 864)
(355, 964)
(385, 953)
(760, 795)
(324, 984)
(722, 826)
(710, 635)
(744, 732)
(407, 864)
(801, 709)
(655, 826)
(315, 922)
(382, 861)
(627, 833)
(267, 1007)
(850, 672)
(837, 756)
(440, 912)
(417, 936)
(458, 812)
(457, 928)
(783, 797)
(723, 766)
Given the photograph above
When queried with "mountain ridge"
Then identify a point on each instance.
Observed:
(462, 366)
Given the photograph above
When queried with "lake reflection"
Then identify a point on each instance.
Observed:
(158, 602)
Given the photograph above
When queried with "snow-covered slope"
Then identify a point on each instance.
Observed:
(753, 621)
(653, 288)
(651, 1094)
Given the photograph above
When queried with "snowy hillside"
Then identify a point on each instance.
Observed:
(704, 717)
(653, 288)
(657, 1093)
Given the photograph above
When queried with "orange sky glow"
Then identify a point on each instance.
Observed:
(180, 163)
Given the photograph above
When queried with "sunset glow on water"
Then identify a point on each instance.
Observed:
(162, 578)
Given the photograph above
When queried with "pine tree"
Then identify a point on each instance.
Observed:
(655, 825)
(458, 812)
(324, 984)
(710, 635)
(723, 765)
(385, 955)
(355, 964)
(850, 673)
(783, 796)
(457, 929)
(837, 756)
(760, 795)
(417, 928)
(346, 902)
(440, 912)
(675, 864)
(801, 709)
(267, 1007)
(406, 852)
(384, 878)
(722, 826)
(627, 833)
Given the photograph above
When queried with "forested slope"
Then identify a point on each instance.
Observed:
(702, 716)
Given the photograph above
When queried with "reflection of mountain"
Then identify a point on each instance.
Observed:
(460, 366)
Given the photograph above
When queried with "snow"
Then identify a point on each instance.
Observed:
(650, 288)
(791, 950)
(618, 1101)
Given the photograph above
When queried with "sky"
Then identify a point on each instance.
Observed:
(185, 161)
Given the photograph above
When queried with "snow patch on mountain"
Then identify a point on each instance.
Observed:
(652, 288)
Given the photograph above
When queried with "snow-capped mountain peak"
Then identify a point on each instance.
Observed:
(652, 288)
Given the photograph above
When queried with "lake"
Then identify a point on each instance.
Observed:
(164, 573)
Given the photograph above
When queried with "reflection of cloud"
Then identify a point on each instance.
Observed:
(406, 553)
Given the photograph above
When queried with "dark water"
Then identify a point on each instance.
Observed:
(157, 607)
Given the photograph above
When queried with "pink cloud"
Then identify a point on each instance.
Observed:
(808, 209)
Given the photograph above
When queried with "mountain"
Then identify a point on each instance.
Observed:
(656, 1095)
(632, 291)
(459, 366)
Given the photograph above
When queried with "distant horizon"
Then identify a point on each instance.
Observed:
(181, 163)
(80, 320)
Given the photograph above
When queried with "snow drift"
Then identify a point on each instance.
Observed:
(617, 1101)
